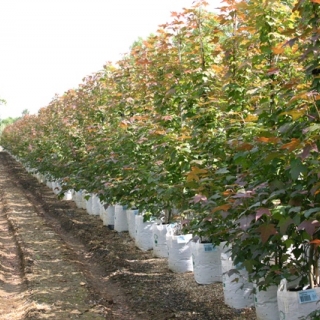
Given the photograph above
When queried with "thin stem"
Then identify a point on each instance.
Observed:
(311, 267)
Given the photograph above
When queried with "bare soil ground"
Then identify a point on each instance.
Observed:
(58, 262)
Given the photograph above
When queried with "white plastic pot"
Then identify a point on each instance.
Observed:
(68, 195)
(108, 218)
(179, 253)
(73, 195)
(265, 302)
(120, 219)
(237, 291)
(42, 178)
(159, 233)
(83, 199)
(78, 199)
(206, 262)
(102, 210)
(143, 238)
(95, 205)
(131, 216)
(56, 187)
(49, 184)
(295, 305)
(89, 205)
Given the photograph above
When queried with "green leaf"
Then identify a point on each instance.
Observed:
(295, 209)
(222, 171)
(284, 224)
(307, 213)
(297, 168)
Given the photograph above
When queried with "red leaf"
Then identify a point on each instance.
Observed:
(268, 139)
(224, 207)
(261, 211)
(266, 231)
(199, 198)
(316, 242)
(273, 71)
(307, 149)
(292, 145)
(309, 226)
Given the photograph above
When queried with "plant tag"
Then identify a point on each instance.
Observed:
(209, 247)
(181, 239)
(309, 295)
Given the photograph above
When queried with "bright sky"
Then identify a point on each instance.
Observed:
(49, 46)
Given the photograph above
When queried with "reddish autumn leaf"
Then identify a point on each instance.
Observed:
(273, 71)
(266, 230)
(245, 146)
(316, 242)
(199, 198)
(261, 211)
(309, 226)
(268, 139)
(224, 207)
(228, 192)
(292, 145)
(278, 49)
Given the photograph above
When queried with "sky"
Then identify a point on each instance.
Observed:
(48, 46)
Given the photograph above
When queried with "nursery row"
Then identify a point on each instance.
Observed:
(186, 253)
(212, 122)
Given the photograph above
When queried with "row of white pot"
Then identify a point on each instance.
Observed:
(209, 263)
(183, 254)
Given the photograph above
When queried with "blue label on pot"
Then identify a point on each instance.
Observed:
(306, 296)
(209, 247)
(181, 239)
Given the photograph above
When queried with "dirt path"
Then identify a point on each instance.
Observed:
(58, 262)
(12, 286)
(43, 276)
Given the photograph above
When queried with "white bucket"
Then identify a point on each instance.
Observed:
(83, 199)
(53, 186)
(179, 253)
(266, 304)
(293, 305)
(159, 232)
(89, 205)
(120, 219)
(206, 262)
(42, 178)
(73, 195)
(238, 294)
(102, 210)
(68, 195)
(56, 187)
(78, 198)
(38, 176)
(108, 218)
(95, 205)
(49, 184)
(131, 214)
(143, 238)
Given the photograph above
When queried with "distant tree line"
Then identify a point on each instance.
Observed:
(7, 121)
